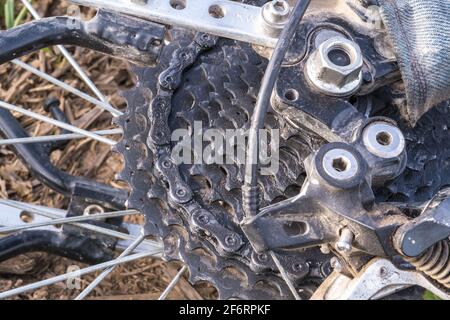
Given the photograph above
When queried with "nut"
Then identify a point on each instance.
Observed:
(335, 67)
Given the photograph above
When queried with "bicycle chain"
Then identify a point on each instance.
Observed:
(202, 228)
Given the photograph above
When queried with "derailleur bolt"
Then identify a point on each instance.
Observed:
(275, 15)
(345, 241)
(384, 140)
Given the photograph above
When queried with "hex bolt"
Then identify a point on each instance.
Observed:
(345, 241)
(340, 164)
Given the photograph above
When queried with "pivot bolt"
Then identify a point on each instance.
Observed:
(345, 241)
(340, 164)
(383, 140)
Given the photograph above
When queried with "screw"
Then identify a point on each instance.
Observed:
(345, 241)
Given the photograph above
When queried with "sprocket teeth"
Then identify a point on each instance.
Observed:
(221, 102)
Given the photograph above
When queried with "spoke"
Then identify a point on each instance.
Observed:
(66, 87)
(99, 216)
(285, 276)
(53, 213)
(56, 137)
(74, 64)
(172, 284)
(78, 273)
(106, 272)
(57, 123)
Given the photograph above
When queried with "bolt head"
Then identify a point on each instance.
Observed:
(384, 140)
(343, 246)
(276, 12)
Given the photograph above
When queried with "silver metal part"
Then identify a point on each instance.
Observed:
(275, 15)
(56, 137)
(16, 215)
(54, 122)
(335, 67)
(340, 164)
(10, 216)
(223, 18)
(384, 140)
(32, 225)
(380, 278)
(345, 241)
(108, 271)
